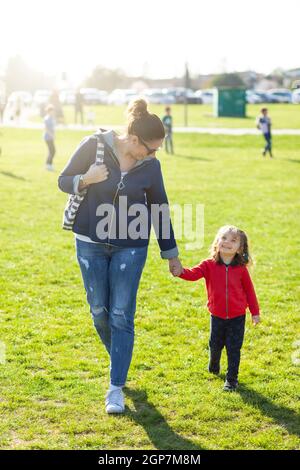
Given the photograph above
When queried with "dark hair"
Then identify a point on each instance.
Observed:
(142, 123)
(263, 110)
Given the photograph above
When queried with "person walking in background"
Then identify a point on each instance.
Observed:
(18, 110)
(168, 125)
(2, 106)
(263, 123)
(57, 107)
(49, 136)
(91, 117)
(78, 106)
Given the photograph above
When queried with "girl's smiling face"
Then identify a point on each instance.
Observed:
(229, 244)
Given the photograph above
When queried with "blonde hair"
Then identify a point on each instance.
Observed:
(242, 256)
(143, 124)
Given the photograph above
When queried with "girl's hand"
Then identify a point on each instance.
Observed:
(95, 174)
(255, 319)
(175, 267)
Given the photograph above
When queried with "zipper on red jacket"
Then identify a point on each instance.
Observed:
(227, 316)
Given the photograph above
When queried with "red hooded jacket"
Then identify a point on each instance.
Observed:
(229, 288)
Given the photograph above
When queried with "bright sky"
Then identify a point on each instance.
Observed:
(153, 36)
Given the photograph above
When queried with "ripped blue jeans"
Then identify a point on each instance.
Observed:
(111, 277)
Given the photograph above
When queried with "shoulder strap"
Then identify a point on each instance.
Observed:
(100, 149)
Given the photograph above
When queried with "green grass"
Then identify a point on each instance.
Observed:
(284, 116)
(56, 371)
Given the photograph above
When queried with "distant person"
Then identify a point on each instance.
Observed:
(91, 117)
(49, 136)
(2, 107)
(168, 125)
(18, 110)
(58, 110)
(42, 108)
(263, 123)
(78, 106)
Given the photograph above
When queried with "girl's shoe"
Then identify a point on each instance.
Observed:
(230, 386)
(114, 401)
(214, 366)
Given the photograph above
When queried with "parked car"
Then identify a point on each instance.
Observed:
(67, 97)
(265, 98)
(158, 96)
(296, 96)
(93, 95)
(281, 95)
(253, 98)
(207, 96)
(183, 95)
(25, 97)
(121, 96)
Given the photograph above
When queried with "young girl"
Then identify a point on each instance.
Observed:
(230, 291)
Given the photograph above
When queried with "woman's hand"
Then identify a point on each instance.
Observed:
(255, 319)
(95, 174)
(175, 266)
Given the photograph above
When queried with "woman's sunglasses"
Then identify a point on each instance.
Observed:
(149, 150)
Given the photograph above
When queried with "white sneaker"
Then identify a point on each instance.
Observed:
(49, 167)
(114, 401)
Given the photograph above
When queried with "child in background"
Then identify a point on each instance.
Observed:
(49, 136)
(91, 117)
(230, 291)
(167, 121)
(263, 123)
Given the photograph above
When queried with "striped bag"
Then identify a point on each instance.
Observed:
(75, 200)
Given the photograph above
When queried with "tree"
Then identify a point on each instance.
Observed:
(106, 79)
(19, 76)
(228, 79)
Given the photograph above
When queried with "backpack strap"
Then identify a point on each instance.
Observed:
(75, 200)
(100, 149)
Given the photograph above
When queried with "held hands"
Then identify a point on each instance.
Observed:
(255, 319)
(96, 174)
(175, 267)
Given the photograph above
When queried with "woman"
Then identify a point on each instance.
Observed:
(112, 250)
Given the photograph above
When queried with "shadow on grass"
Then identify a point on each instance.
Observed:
(12, 175)
(159, 432)
(293, 160)
(190, 157)
(283, 416)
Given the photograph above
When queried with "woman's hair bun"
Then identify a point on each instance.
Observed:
(137, 109)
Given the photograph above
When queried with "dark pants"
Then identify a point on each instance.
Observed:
(228, 333)
(169, 143)
(51, 151)
(268, 146)
(80, 112)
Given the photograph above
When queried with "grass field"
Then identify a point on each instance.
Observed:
(284, 116)
(55, 375)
